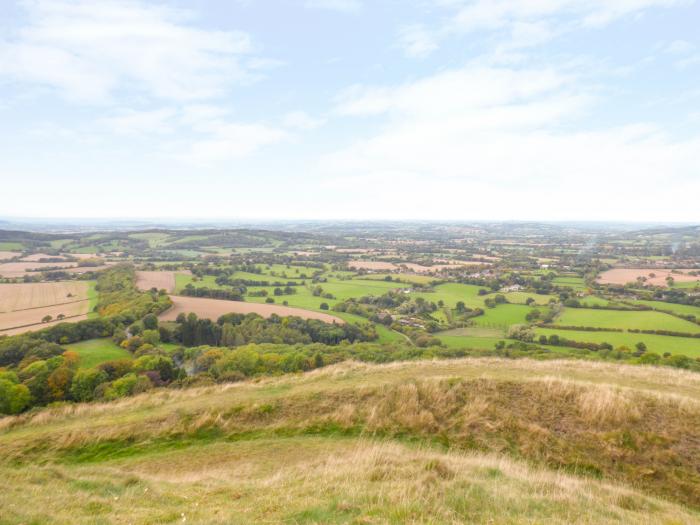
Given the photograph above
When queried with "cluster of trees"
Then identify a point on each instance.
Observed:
(49, 375)
(240, 329)
(118, 294)
(234, 294)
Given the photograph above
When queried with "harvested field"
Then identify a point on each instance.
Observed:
(372, 265)
(160, 280)
(23, 306)
(355, 250)
(417, 268)
(19, 269)
(35, 257)
(654, 276)
(13, 323)
(215, 308)
(9, 255)
(25, 296)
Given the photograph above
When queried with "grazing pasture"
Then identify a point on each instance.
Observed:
(689, 346)
(96, 351)
(576, 283)
(653, 276)
(503, 315)
(215, 308)
(403, 277)
(645, 320)
(678, 309)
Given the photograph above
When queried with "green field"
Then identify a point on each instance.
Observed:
(577, 283)
(503, 315)
(644, 320)
(452, 293)
(522, 297)
(11, 246)
(155, 239)
(403, 277)
(655, 343)
(96, 351)
(472, 337)
(678, 309)
(92, 296)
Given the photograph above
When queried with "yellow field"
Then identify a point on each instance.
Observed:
(26, 304)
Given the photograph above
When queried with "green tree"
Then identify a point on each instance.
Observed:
(14, 397)
(85, 382)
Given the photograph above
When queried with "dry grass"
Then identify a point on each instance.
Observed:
(320, 480)
(418, 442)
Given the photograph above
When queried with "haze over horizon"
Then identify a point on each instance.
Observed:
(349, 109)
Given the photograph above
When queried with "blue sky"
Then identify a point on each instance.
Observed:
(351, 109)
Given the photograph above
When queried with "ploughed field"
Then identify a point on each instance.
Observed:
(459, 441)
(653, 276)
(161, 280)
(24, 305)
(215, 308)
(418, 268)
(13, 270)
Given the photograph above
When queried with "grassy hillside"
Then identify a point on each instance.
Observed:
(478, 441)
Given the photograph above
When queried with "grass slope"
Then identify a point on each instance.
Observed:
(421, 442)
(96, 351)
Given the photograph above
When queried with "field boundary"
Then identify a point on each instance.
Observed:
(40, 307)
(37, 324)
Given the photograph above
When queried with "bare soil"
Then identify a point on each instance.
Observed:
(215, 308)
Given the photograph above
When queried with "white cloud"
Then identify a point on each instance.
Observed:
(301, 120)
(345, 6)
(228, 141)
(417, 41)
(131, 122)
(527, 23)
(479, 139)
(89, 50)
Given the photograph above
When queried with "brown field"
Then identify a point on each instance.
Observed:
(629, 275)
(23, 296)
(161, 280)
(35, 257)
(22, 306)
(19, 269)
(9, 255)
(417, 268)
(215, 308)
(355, 250)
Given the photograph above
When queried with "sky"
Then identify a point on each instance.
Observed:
(351, 109)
